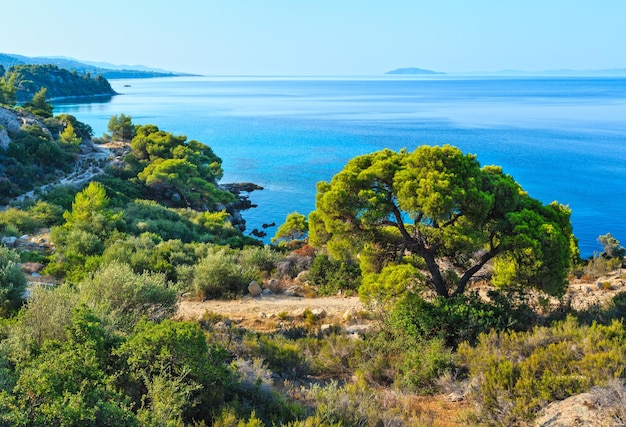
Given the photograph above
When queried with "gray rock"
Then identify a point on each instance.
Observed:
(254, 288)
(9, 241)
(358, 330)
(578, 410)
(267, 292)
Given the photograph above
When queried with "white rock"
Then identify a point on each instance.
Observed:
(254, 288)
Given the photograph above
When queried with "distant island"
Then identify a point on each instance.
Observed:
(412, 71)
(107, 70)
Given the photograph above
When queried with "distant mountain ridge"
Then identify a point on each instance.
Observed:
(612, 72)
(109, 71)
(412, 70)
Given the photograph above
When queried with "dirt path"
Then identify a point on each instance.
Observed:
(263, 307)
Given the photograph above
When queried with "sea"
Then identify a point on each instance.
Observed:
(562, 139)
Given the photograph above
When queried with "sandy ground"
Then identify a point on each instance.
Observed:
(264, 307)
(254, 311)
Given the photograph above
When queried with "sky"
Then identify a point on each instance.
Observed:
(322, 37)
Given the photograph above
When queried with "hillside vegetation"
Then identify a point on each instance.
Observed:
(466, 315)
(27, 80)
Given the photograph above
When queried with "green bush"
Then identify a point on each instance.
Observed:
(121, 297)
(12, 281)
(219, 276)
(331, 276)
(457, 319)
(517, 373)
(176, 350)
(281, 354)
(260, 261)
(23, 221)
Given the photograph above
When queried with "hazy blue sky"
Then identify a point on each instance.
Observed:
(322, 37)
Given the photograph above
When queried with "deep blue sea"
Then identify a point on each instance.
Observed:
(562, 139)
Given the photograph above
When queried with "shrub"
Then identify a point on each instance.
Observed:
(259, 261)
(457, 319)
(177, 350)
(281, 354)
(219, 276)
(121, 297)
(12, 281)
(331, 276)
(515, 374)
(18, 219)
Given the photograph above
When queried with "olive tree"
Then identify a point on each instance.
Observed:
(437, 209)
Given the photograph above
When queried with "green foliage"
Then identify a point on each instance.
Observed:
(436, 206)
(61, 195)
(516, 374)
(280, 354)
(259, 262)
(88, 205)
(121, 128)
(177, 350)
(331, 276)
(347, 405)
(68, 136)
(458, 319)
(45, 215)
(12, 282)
(59, 123)
(45, 317)
(7, 93)
(67, 383)
(218, 275)
(77, 252)
(38, 105)
(392, 283)
(173, 168)
(22, 221)
(121, 297)
(611, 246)
(28, 79)
(32, 158)
(295, 227)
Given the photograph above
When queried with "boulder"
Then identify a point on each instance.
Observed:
(254, 288)
(578, 410)
(358, 330)
(9, 241)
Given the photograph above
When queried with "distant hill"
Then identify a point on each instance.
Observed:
(412, 71)
(59, 82)
(107, 70)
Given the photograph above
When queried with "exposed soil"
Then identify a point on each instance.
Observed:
(265, 312)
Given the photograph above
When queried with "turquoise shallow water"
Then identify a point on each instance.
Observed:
(562, 139)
